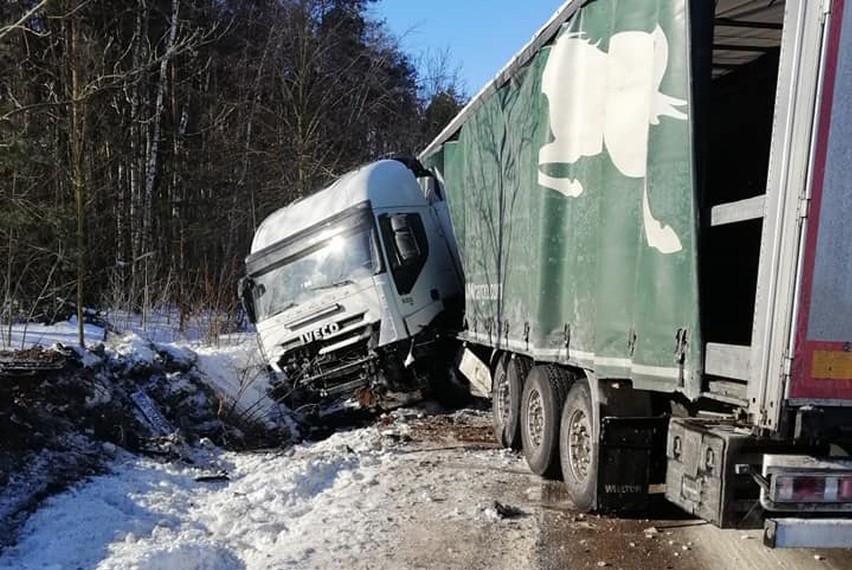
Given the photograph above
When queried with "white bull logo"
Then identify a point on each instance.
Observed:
(612, 98)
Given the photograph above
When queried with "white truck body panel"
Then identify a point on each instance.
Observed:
(331, 288)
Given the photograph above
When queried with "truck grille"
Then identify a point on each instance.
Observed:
(327, 363)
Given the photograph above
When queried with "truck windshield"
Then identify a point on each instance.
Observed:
(336, 261)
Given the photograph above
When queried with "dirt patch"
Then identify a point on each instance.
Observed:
(14, 362)
(467, 426)
(564, 537)
(577, 540)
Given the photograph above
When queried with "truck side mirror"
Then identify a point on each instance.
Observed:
(245, 291)
(404, 239)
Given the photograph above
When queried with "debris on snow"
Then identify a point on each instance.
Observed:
(218, 477)
(69, 419)
(152, 416)
(30, 362)
(507, 511)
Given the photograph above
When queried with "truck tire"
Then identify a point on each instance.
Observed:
(578, 447)
(506, 390)
(541, 407)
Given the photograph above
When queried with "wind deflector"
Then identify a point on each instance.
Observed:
(272, 255)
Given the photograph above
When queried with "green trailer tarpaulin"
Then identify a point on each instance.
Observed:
(571, 190)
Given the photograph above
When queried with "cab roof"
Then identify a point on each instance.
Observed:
(386, 183)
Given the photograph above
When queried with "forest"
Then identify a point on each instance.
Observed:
(143, 141)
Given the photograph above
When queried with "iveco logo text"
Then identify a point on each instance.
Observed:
(321, 332)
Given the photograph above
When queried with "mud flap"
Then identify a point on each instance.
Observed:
(625, 462)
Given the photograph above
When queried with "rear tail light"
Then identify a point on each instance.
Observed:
(807, 489)
(811, 488)
(801, 482)
(844, 489)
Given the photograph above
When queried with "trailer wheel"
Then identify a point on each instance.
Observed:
(578, 448)
(506, 399)
(541, 406)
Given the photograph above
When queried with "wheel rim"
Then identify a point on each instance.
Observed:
(535, 418)
(579, 444)
(503, 399)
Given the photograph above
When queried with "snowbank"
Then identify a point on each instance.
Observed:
(63, 422)
(26, 335)
(236, 369)
(342, 503)
(232, 366)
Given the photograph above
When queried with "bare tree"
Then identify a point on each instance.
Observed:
(19, 25)
(143, 140)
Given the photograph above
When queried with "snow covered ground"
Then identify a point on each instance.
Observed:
(420, 488)
(163, 326)
(359, 499)
(26, 335)
(235, 368)
(416, 490)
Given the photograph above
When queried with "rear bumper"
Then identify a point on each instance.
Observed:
(807, 533)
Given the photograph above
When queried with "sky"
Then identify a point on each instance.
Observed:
(480, 35)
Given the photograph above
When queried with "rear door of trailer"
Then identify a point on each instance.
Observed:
(822, 350)
(802, 342)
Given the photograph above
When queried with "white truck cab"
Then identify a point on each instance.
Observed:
(348, 288)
